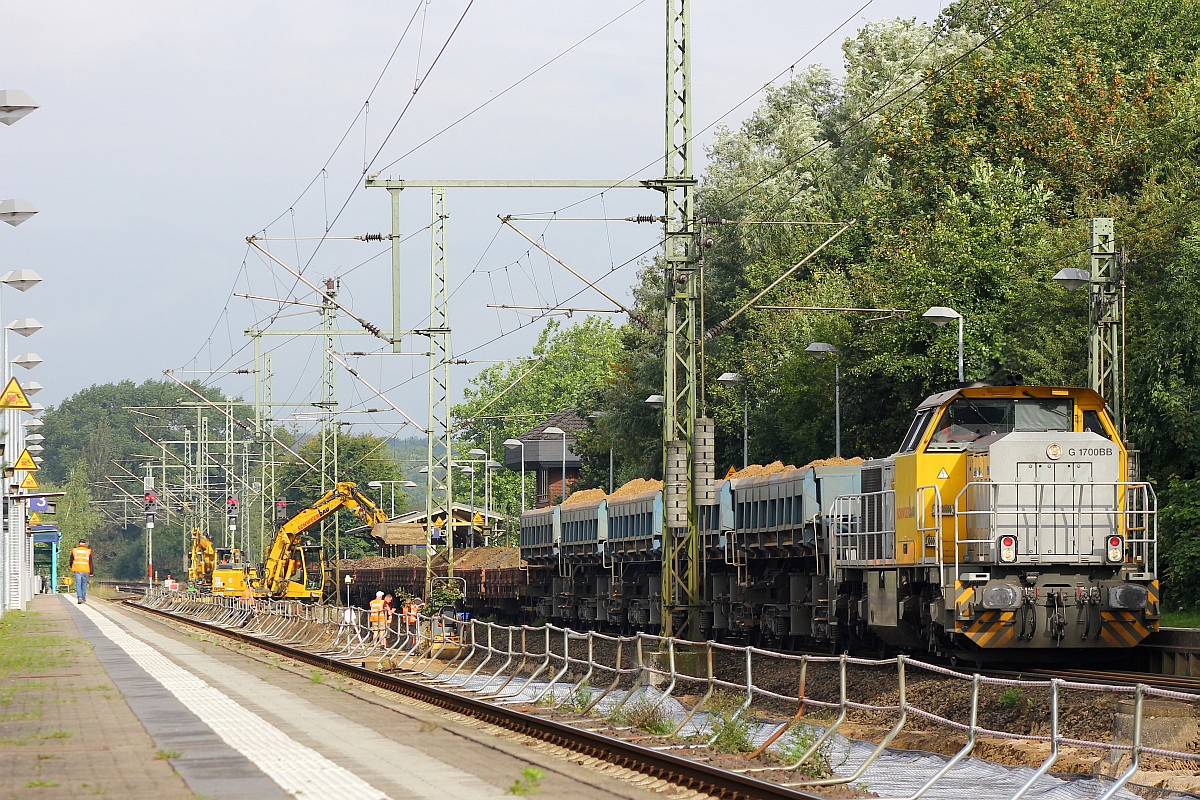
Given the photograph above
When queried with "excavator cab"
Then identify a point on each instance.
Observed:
(232, 572)
(298, 570)
(306, 573)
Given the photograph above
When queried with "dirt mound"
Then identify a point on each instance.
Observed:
(585, 496)
(638, 486)
(756, 470)
(834, 462)
(380, 562)
(481, 558)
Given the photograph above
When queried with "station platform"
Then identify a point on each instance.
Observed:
(118, 703)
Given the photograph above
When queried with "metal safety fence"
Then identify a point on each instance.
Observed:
(809, 713)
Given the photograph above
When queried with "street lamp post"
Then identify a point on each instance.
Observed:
(519, 443)
(379, 485)
(732, 379)
(471, 527)
(556, 431)
(823, 350)
(940, 315)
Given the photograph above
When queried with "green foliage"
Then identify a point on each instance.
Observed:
(1179, 543)
(1181, 619)
(579, 698)
(564, 370)
(646, 714)
(730, 731)
(529, 782)
(96, 425)
(1013, 697)
(444, 593)
(799, 739)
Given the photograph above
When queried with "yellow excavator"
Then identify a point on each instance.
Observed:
(296, 570)
(204, 559)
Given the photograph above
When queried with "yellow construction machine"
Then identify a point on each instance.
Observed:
(298, 571)
(232, 573)
(203, 561)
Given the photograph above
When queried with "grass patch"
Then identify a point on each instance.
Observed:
(644, 713)
(166, 755)
(579, 698)
(1014, 697)
(1181, 619)
(316, 676)
(29, 738)
(730, 731)
(798, 741)
(41, 784)
(26, 648)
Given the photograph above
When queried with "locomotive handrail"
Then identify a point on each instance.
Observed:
(1131, 501)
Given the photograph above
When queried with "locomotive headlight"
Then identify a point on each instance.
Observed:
(1008, 549)
(1116, 549)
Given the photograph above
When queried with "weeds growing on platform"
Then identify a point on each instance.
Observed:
(26, 649)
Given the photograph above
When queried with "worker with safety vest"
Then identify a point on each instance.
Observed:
(410, 614)
(248, 597)
(81, 566)
(378, 620)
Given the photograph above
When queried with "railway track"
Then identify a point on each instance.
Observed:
(677, 770)
(1176, 683)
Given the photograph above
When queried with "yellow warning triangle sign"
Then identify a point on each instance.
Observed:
(35, 519)
(731, 473)
(14, 396)
(25, 462)
(29, 482)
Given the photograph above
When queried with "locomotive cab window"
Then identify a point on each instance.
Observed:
(1092, 422)
(969, 419)
(917, 430)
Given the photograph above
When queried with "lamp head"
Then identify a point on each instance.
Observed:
(1073, 278)
(940, 315)
(821, 349)
(730, 379)
(656, 400)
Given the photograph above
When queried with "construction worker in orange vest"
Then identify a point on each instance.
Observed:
(248, 597)
(81, 566)
(410, 612)
(377, 618)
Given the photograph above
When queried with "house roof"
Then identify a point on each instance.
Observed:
(568, 420)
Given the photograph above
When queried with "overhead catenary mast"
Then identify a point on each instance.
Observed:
(687, 438)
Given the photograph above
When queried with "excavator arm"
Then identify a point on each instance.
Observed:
(204, 558)
(278, 563)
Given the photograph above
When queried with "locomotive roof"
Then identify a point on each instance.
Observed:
(1079, 392)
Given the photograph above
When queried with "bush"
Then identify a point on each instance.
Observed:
(797, 742)
(644, 713)
(730, 732)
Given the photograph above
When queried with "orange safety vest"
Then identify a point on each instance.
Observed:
(81, 559)
(410, 614)
(376, 610)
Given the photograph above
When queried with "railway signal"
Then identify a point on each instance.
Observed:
(231, 511)
(281, 514)
(150, 507)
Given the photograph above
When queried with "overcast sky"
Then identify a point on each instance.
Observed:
(168, 132)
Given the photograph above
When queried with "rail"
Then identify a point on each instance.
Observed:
(611, 684)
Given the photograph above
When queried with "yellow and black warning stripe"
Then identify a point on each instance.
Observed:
(991, 628)
(1122, 628)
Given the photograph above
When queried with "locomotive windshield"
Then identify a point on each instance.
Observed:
(967, 419)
